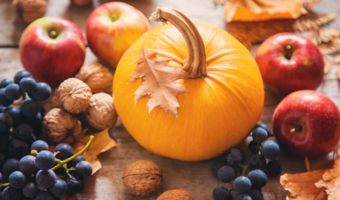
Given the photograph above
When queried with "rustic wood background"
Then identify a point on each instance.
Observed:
(194, 177)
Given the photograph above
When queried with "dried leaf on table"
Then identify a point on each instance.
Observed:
(336, 59)
(310, 5)
(260, 10)
(158, 81)
(329, 47)
(328, 66)
(313, 21)
(323, 35)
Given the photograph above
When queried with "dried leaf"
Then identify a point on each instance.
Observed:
(328, 66)
(330, 47)
(336, 59)
(313, 21)
(323, 35)
(158, 81)
(261, 10)
(219, 2)
(310, 5)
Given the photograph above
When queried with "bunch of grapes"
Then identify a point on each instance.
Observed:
(42, 175)
(230, 167)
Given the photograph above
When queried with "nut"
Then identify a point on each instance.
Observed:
(101, 113)
(75, 95)
(29, 10)
(175, 195)
(81, 2)
(142, 178)
(59, 125)
(97, 77)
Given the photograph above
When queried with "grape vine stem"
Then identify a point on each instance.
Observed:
(4, 185)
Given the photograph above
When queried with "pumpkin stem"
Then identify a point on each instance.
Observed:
(196, 63)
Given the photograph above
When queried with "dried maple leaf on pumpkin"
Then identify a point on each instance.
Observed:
(260, 10)
(158, 81)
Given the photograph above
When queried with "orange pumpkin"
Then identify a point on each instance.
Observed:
(225, 90)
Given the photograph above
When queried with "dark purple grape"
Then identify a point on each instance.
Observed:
(257, 162)
(16, 116)
(10, 166)
(42, 92)
(39, 145)
(242, 184)
(30, 190)
(259, 135)
(2, 159)
(13, 92)
(45, 179)
(75, 161)
(10, 193)
(5, 82)
(256, 194)
(29, 107)
(23, 131)
(65, 151)
(18, 148)
(59, 188)
(74, 186)
(27, 165)
(3, 99)
(244, 197)
(84, 169)
(6, 122)
(35, 122)
(226, 174)
(264, 126)
(270, 149)
(28, 84)
(20, 75)
(273, 168)
(258, 178)
(234, 156)
(252, 146)
(44, 196)
(45, 160)
(17, 179)
(221, 193)
(217, 164)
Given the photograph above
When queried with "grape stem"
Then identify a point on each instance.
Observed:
(244, 169)
(23, 95)
(4, 185)
(61, 163)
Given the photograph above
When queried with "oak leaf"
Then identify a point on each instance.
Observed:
(158, 82)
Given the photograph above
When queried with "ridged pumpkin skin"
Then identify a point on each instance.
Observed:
(218, 111)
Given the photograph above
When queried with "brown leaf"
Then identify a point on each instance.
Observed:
(323, 35)
(158, 82)
(328, 66)
(330, 47)
(331, 187)
(261, 10)
(310, 5)
(313, 21)
(336, 59)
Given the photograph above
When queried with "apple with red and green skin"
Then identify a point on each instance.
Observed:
(307, 123)
(112, 28)
(289, 62)
(52, 50)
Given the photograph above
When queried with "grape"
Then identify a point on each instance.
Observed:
(24, 131)
(242, 184)
(29, 107)
(20, 75)
(0, 179)
(244, 197)
(234, 156)
(238, 169)
(39, 145)
(6, 122)
(27, 165)
(2, 159)
(76, 160)
(264, 126)
(17, 148)
(74, 185)
(3, 99)
(274, 168)
(256, 194)
(217, 164)
(221, 193)
(226, 174)
(59, 188)
(17, 179)
(258, 178)
(31, 139)
(13, 92)
(42, 92)
(10, 166)
(5, 82)
(16, 115)
(28, 84)
(84, 169)
(270, 149)
(4, 141)
(30, 190)
(44, 196)
(252, 146)
(65, 151)
(35, 122)
(257, 162)
(259, 135)
(10, 193)
(45, 160)
(45, 179)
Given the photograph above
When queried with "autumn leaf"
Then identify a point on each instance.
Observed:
(158, 82)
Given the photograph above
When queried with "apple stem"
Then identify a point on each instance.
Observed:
(53, 34)
(289, 53)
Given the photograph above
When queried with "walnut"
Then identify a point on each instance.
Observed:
(142, 178)
(81, 2)
(59, 125)
(101, 113)
(75, 95)
(97, 77)
(29, 10)
(175, 195)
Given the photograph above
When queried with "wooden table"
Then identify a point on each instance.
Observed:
(194, 177)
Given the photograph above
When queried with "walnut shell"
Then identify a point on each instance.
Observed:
(101, 113)
(59, 124)
(29, 10)
(75, 95)
(142, 178)
(81, 2)
(175, 195)
(97, 77)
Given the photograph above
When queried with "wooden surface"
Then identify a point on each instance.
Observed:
(194, 177)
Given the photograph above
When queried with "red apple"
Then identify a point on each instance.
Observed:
(112, 28)
(307, 123)
(289, 62)
(52, 49)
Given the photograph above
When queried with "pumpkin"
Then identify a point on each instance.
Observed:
(225, 90)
